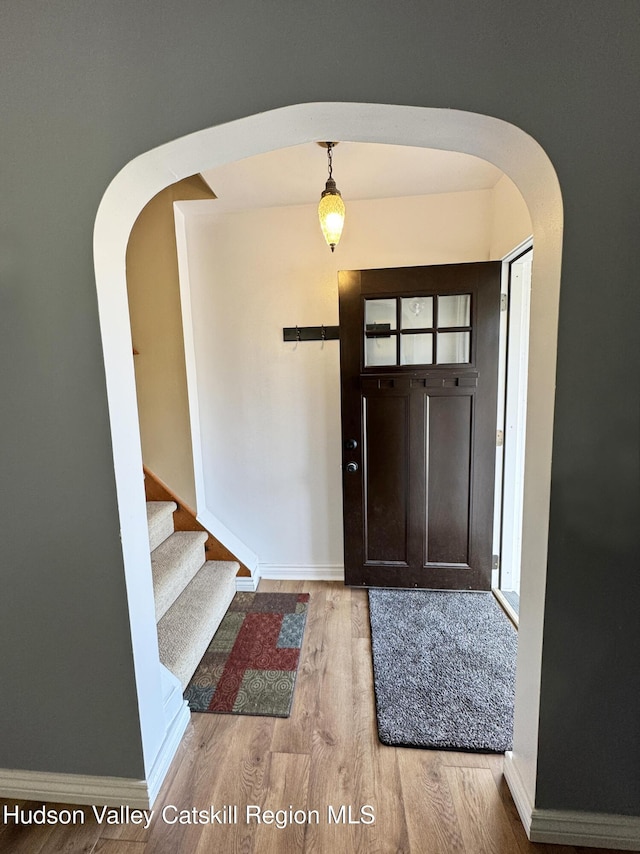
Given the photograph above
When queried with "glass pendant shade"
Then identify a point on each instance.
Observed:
(331, 213)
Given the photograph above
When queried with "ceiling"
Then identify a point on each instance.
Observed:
(296, 175)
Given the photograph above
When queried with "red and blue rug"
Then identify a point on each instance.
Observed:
(251, 664)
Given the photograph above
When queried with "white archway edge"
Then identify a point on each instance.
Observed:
(503, 144)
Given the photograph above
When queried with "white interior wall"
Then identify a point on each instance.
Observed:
(269, 410)
(510, 221)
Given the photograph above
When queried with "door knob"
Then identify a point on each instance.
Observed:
(351, 444)
(352, 467)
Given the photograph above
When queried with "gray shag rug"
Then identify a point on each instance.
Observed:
(444, 670)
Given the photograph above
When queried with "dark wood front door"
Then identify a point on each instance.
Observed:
(419, 369)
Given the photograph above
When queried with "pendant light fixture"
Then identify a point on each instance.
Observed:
(331, 208)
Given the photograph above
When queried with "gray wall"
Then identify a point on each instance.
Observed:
(88, 85)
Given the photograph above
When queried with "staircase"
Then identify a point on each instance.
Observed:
(191, 594)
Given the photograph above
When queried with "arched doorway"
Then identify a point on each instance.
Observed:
(509, 148)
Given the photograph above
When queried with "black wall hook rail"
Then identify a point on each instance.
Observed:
(311, 333)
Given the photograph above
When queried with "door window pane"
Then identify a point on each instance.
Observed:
(453, 347)
(416, 349)
(380, 311)
(417, 312)
(454, 311)
(379, 351)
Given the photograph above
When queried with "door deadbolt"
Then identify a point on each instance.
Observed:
(352, 467)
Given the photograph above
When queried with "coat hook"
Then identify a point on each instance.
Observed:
(323, 333)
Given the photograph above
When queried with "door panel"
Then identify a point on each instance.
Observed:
(448, 434)
(418, 354)
(386, 478)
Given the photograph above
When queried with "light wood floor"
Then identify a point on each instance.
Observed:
(326, 753)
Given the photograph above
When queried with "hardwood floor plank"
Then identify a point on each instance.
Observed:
(239, 780)
(466, 759)
(118, 846)
(205, 766)
(514, 819)
(331, 780)
(359, 614)
(482, 818)
(285, 796)
(11, 804)
(76, 831)
(376, 766)
(428, 802)
(277, 585)
(23, 838)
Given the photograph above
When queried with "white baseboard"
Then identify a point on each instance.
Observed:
(563, 827)
(290, 572)
(73, 788)
(330, 572)
(244, 583)
(518, 791)
(594, 830)
(177, 724)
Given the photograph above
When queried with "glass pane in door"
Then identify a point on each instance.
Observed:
(379, 351)
(380, 347)
(416, 312)
(453, 348)
(454, 310)
(380, 311)
(416, 349)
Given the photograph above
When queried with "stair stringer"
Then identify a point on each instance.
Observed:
(222, 544)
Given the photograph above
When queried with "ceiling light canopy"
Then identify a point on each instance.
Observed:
(331, 209)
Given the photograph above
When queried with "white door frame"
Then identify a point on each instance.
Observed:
(511, 424)
(509, 148)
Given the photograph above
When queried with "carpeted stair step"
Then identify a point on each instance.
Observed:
(160, 521)
(186, 629)
(174, 563)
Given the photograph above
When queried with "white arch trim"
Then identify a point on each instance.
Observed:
(510, 149)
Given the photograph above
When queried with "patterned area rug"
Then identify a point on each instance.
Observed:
(444, 670)
(251, 664)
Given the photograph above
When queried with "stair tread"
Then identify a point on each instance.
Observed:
(186, 629)
(174, 563)
(159, 521)
(160, 508)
